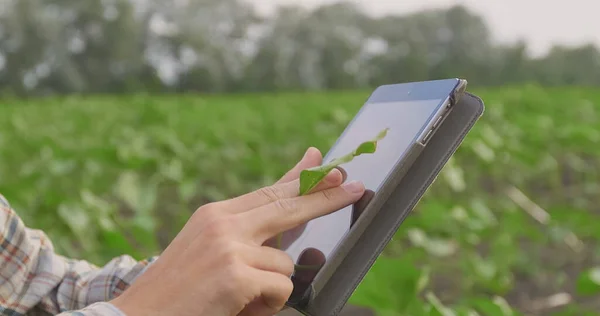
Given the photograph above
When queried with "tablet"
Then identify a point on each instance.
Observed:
(417, 115)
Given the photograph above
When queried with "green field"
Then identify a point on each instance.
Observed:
(512, 220)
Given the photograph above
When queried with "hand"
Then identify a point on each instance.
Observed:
(218, 264)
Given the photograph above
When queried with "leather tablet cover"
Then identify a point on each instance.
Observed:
(337, 290)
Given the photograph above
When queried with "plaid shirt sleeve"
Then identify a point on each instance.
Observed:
(34, 280)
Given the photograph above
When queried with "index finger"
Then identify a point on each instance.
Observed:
(269, 220)
(273, 193)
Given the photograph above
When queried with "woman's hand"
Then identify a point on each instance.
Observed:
(218, 265)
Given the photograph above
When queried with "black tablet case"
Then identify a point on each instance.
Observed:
(330, 300)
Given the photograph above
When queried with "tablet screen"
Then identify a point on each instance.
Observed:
(311, 244)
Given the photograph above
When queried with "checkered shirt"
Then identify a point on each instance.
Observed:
(36, 281)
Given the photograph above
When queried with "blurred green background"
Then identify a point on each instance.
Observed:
(113, 130)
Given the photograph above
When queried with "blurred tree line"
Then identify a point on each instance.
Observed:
(122, 46)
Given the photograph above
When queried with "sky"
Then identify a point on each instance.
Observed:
(540, 22)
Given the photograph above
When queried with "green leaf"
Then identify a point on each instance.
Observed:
(366, 148)
(492, 307)
(437, 306)
(388, 277)
(588, 282)
(310, 178)
(370, 146)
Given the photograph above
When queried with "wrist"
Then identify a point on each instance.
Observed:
(102, 309)
(127, 307)
(111, 309)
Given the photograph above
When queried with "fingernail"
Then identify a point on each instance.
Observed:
(353, 187)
